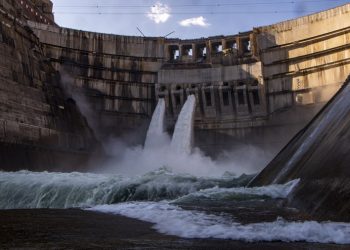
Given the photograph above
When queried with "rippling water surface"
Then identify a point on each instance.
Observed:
(177, 204)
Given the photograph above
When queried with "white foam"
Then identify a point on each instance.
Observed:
(27, 189)
(173, 220)
(274, 191)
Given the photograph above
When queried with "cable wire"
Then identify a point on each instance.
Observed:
(195, 5)
(185, 13)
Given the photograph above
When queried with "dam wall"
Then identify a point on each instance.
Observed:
(250, 87)
(305, 60)
(116, 73)
(273, 78)
(122, 78)
(62, 87)
(224, 73)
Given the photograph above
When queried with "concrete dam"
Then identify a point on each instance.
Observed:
(67, 91)
(112, 141)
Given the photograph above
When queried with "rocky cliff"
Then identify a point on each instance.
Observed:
(40, 123)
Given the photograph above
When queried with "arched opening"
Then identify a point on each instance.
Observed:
(162, 89)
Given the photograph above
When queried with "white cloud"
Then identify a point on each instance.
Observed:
(159, 13)
(195, 21)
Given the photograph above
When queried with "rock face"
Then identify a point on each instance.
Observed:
(35, 10)
(41, 127)
(319, 156)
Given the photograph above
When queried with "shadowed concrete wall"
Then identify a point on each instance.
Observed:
(116, 73)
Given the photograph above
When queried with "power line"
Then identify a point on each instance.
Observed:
(185, 13)
(194, 5)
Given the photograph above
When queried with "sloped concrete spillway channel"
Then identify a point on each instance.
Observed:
(319, 156)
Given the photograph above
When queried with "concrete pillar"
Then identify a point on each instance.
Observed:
(253, 45)
(241, 100)
(209, 106)
(194, 52)
(193, 90)
(167, 53)
(177, 100)
(164, 92)
(239, 46)
(181, 48)
(223, 42)
(226, 102)
(208, 56)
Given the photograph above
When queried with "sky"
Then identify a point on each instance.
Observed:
(184, 19)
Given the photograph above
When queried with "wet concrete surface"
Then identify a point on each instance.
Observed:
(78, 229)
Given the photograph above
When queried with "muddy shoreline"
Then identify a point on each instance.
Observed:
(78, 229)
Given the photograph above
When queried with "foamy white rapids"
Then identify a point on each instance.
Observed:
(274, 191)
(183, 133)
(26, 189)
(173, 220)
(155, 134)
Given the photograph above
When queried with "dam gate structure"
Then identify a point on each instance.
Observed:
(253, 88)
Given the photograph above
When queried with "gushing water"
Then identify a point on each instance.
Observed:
(166, 193)
(178, 155)
(155, 134)
(26, 189)
(183, 134)
(154, 193)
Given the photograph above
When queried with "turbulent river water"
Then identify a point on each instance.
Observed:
(177, 204)
(180, 199)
